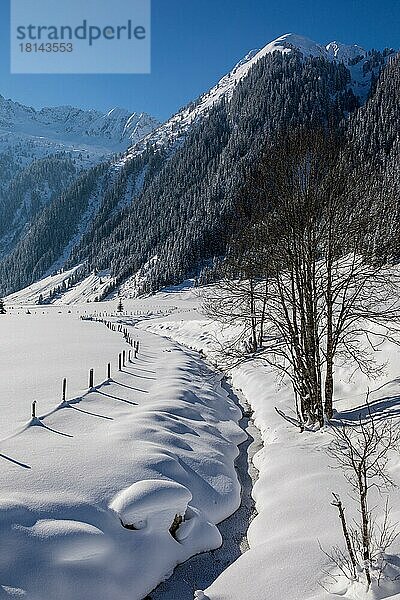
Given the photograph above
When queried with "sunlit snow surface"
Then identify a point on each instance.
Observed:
(293, 492)
(162, 438)
(157, 441)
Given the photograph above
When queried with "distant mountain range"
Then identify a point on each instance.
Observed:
(43, 151)
(67, 128)
(158, 213)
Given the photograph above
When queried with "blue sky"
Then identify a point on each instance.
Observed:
(195, 42)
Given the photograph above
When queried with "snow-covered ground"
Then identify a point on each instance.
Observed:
(159, 440)
(293, 492)
(156, 442)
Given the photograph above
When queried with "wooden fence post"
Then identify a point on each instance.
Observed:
(64, 388)
(91, 378)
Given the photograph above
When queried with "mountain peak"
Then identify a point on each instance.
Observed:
(333, 51)
(289, 41)
(176, 127)
(117, 112)
(345, 52)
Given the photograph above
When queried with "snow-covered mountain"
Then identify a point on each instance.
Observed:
(171, 195)
(43, 151)
(359, 62)
(55, 129)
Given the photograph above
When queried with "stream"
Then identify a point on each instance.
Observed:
(201, 570)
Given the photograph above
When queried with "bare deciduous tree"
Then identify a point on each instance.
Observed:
(306, 289)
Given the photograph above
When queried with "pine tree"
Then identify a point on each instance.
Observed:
(120, 307)
(2, 307)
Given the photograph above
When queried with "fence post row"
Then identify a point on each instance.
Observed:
(121, 357)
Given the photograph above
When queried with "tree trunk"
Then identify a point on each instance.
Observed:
(338, 503)
(253, 318)
(362, 485)
(328, 405)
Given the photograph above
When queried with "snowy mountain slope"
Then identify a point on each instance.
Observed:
(61, 284)
(64, 127)
(41, 288)
(27, 192)
(344, 52)
(91, 288)
(170, 193)
(87, 290)
(178, 125)
(43, 152)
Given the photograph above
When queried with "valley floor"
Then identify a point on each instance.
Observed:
(161, 439)
(156, 441)
(295, 518)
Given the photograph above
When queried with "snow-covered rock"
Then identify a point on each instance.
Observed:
(344, 52)
(152, 504)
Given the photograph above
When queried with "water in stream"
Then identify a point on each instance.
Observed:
(201, 570)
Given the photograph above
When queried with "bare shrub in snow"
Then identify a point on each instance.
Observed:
(362, 450)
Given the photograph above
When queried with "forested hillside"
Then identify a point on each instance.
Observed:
(25, 194)
(374, 148)
(173, 203)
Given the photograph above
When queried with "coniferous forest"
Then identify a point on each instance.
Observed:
(176, 201)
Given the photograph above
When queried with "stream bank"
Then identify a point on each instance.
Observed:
(201, 570)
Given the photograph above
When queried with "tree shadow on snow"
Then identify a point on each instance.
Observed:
(379, 409)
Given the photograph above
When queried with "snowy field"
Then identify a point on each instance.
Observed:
(90, 491)
(38, 350)
(159, 442)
